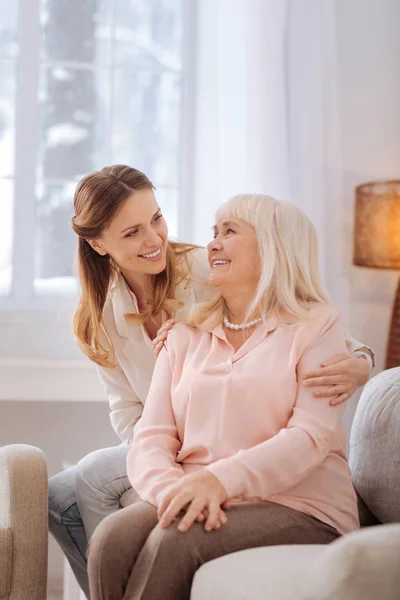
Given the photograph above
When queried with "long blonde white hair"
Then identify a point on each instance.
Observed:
(290, 279)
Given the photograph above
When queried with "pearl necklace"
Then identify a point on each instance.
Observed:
(240, 326)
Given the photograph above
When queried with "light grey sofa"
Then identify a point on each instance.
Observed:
(364, 565)
(23, 523)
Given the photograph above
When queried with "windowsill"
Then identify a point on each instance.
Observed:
(64, 287)
(54, 293)
(49, 380)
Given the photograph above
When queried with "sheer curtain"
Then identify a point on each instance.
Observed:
(241, 125)
(267, 117)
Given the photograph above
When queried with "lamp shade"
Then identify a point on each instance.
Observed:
(377, 225)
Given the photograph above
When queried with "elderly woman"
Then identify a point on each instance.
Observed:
(228, 423)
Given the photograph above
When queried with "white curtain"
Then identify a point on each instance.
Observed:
(266, 115)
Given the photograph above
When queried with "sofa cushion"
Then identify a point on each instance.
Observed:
(270, 573)
(5, 560)
(375, 446)
(364, 565)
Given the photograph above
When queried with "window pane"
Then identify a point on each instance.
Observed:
(55, 240)
(7, 117)
(167, 199)
(78, 33)
(6, 234)
(93, 113)
(148, 33)
(8, 29)
(73, 122)
(146, 123)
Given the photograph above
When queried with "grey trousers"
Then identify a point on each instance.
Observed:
(131, 557)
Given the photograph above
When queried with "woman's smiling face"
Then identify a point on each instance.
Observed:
(233, 255)
(137, 237)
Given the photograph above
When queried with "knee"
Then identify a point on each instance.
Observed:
(172, 542)
(88, 472)
(105, 535)
(112, 552)
(109, 540)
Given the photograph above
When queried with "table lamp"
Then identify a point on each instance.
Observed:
(377, 243)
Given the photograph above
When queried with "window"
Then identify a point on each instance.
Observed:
(84, 84)
(8, 60)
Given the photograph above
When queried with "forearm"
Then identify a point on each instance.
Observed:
(125, 421)
(274, 466)
(152, 467)
(125, 407)
(151, 462)
(357, 348)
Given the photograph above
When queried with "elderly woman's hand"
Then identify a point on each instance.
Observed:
(200, 494)
(162, 334)
(339, 376)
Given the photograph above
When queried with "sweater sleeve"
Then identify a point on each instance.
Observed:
(281, 462)
(151, 462)
(125, 406)
(356, 348)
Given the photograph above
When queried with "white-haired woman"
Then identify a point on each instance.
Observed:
(227, 422)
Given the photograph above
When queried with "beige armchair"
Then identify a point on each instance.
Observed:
(23, 523)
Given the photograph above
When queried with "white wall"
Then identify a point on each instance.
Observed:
(368, 44)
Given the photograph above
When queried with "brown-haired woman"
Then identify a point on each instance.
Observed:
(133, 280)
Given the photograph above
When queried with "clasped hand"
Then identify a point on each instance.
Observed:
(200, 495)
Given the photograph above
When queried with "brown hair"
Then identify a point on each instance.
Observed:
(98, 198)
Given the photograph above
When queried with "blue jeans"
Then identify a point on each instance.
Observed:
(82, 496)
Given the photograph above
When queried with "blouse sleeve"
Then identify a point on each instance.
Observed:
(151, 462)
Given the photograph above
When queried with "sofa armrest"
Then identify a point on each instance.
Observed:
(23, 510)
(363, 564)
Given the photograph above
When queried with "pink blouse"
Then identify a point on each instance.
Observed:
(246, 417)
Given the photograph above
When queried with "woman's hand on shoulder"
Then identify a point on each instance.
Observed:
(162, 334)
(339, 377)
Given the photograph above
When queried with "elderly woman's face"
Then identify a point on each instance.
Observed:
(233, 255)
